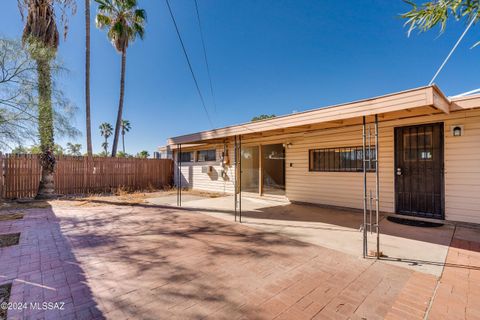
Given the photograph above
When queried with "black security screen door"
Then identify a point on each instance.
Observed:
(419, 189)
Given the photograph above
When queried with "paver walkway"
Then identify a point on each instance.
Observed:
(121, 262)
(458, 293)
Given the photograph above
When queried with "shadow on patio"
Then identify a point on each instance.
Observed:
(142, 261)
(422, 249)
(43, 269)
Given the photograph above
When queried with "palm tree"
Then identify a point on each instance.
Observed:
(74, 149)
(87, 77)
(126, 126)
(124, 22)
(41, 36)
(432, 13)
(106, 131)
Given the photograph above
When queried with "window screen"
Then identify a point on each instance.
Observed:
(348, 159)
(206, 155)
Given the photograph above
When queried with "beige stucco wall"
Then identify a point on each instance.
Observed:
(462, 166)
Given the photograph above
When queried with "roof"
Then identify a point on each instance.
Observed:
(430, 96)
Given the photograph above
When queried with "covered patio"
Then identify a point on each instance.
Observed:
(420, 249)
(367, 175)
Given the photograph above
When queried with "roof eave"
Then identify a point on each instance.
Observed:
(409, 99)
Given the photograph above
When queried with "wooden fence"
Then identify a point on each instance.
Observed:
(82, 175)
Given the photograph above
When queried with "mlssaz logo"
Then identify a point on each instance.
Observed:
(47, 305)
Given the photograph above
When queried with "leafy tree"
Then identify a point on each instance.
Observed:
(143, 154)
(106, 131)
(36, 149)
(124, 22)
(432, 13)
(263, 117)
(18, 99)
(74, 149)
(87, 78)
(121, 154)
(41, 37)
(126, 127)
(20, 150)
(58, 150)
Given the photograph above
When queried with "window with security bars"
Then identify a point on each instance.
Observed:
(346, 159)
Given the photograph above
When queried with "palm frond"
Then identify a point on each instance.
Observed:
(437, 13)
(125, 23)
(102, 21)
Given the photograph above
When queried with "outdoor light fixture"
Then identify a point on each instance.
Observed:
(289, 145)
(457, 130)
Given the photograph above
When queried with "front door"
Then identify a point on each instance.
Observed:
(419, 189)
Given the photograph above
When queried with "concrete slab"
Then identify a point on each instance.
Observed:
(171, 199)
(420, 249)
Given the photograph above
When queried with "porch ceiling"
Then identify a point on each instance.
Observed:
(410, 103)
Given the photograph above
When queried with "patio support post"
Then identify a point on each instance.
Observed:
(364, 138)
(240, 179)
(180, 189)
(178, 172)
(235, 161)
(377, 188)
(179, 175)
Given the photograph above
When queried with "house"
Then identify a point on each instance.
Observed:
(428, 155)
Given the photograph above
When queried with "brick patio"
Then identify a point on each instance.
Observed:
(141, 262)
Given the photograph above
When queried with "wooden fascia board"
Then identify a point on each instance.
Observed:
(463, 103)
(390, 103)
(438, 99)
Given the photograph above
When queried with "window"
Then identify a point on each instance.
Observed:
(186, 156)
(349, 159)
(206, 155)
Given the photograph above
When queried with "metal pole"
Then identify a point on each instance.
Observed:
(370, 200)
(178, 174)
(240, 176)
(364, 191)
(236, 175)
(377, 187)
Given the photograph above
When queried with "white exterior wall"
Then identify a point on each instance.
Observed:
(194, 178)
(345, 189)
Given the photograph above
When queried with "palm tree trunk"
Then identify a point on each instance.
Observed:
(106, 147)
(46, 188)
(87, 77)
(123, 141)
(120, 103)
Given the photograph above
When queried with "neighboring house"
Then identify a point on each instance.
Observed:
(429, 155)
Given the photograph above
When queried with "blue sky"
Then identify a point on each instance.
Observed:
(267, 56)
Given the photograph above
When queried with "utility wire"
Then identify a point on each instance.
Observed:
(205, 56)
(189, 64)
(466, 93)
(451, 51)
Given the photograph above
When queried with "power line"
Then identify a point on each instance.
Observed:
(451, 51)
(205, 55)
(189, 64)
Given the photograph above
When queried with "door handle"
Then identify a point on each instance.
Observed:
(399, 171)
